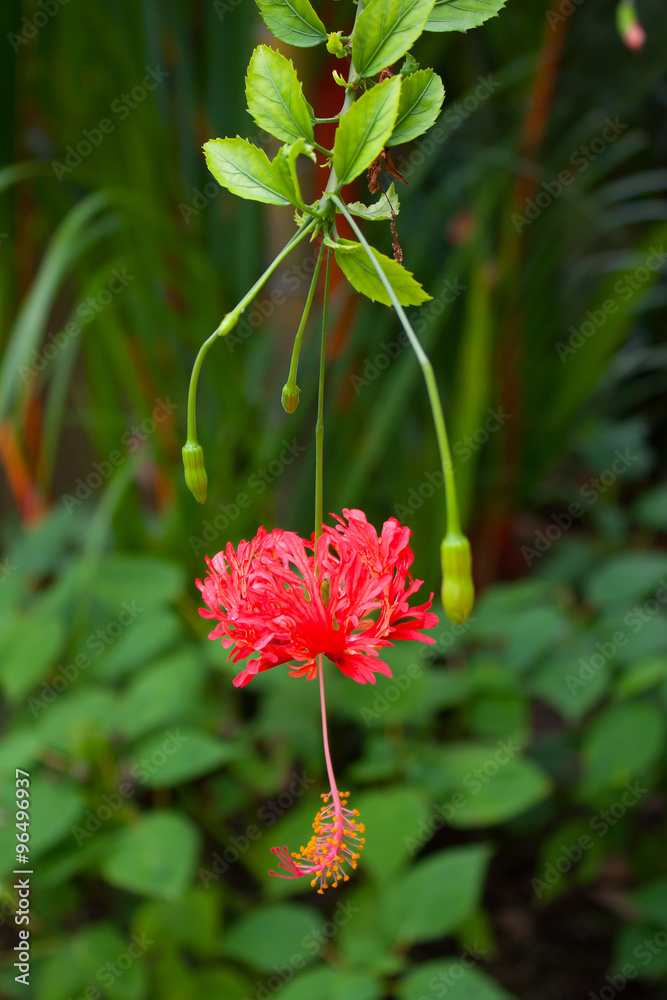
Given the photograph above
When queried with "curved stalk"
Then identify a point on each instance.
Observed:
(319, 427)
(319, 519)
(453, 517)
(230, 320)
(298, 340)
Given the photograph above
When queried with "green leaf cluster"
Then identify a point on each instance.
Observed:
(377, 113)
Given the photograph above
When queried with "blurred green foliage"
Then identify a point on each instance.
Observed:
(512, 777)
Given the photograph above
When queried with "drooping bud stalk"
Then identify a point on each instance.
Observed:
(629, 26)
(195, 471)
(458, 592)
(290, 397)
(193, 456)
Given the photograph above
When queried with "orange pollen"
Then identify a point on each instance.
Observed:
(334, 845)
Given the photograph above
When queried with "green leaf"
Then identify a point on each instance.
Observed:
(141, 578)
(270, 935)
(651, 900)
(629, 576)
(384, 32)
(422, 94)
(86, 715)
(314, 983)
(173, 757)
(192, 922)
(55, 806)
(433, 979)
(361, 274)
(80, 961)
(484, 785)
(642, 676)
(651, 508)
(635, 941)
(460, 15)
(364, 130)
(400, 810)
(156, 857)
(435, 896)
(275, 96)
(410, 65)
(621, 744)
(23, 744)
(342, 247)
(355, 986)
(163, 692)
(566, 683)
(245, 170)
(218, 981)
(381, 209)
(32, 653)
(293, 21)
(500, 716)
(153, 633)
(363, 941)
(284, 166)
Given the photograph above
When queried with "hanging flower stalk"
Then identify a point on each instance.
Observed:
(344, 594)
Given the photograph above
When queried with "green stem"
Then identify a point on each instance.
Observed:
(230, 320)
(453, 518)
(319, 426)
(298, 340)
(319, 518)
(352, 77)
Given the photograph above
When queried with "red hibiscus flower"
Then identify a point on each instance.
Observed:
(283, 599)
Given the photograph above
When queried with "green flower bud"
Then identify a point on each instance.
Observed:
(458, 592)
(629, 26)
(335, 44)
(195, 471)
(290, 398)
